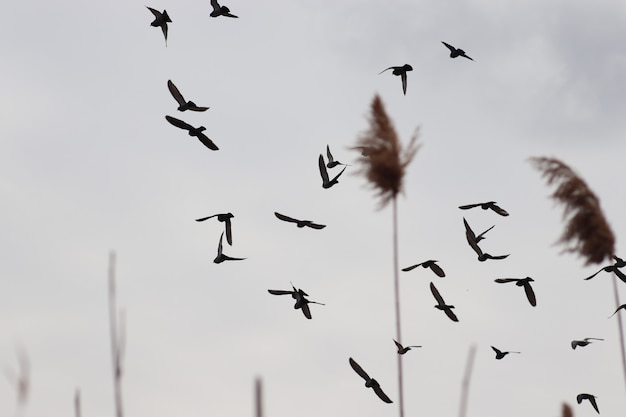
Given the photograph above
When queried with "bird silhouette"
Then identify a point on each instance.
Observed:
(331, 161)
(489, 205)
(220, 255)
(193, 132)
(183, 105)
(583, 343)
(369, 382)
(441, 305)
(472, 239)
(299, 223)
(622, 307)
(224, 218)
(301, 301)
(454, 52)
(326, 183)
(615, 268)
(220, 10)
(427, 264)
(500, 354)
(522, 282)
(590, 398)
(160, 20)
(403, 349)
(401, 71)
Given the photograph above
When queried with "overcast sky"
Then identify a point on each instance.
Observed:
(88, 164)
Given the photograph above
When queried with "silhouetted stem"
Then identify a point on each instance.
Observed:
(466, 381)
(396, 287)
(258, 401)
(620, 328)
(115, 341)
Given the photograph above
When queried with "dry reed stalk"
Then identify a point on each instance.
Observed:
(20, 380)
(467, 377)
(117, 341)
(383, 162)
(587, 229)
(77, 403)
(258, 399)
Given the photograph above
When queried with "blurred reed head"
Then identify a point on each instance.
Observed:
(586, 229)
(567, 411)
(383, 159)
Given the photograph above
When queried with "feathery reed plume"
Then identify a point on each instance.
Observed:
(567, 411)
(21, 380)
(587, 229)
(117, 339)
(383, 159)
(467, 377)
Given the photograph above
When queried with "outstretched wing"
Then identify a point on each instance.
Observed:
(176, 93)
(495, 207)
(338, 175)
(323, 171)
(207, 142)
(403, 77)
(437, 270)
(358, 369)
(205, 218)
(305, 309)
(285, 218)
(530, 294)
(316, 226)
(410, 268)
(452, 49)
(503, 280)
(451, 314)
(381, 394)
(215, 5)
(436, 294)
(280, 292)
(179, 123)
(467, 206)
(387, 70)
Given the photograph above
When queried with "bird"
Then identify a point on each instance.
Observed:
(472, 239)
(401, 71)
(522, 282)
(301, 301)
(182, 103)
(427, 264)
(454, 52)
(221, 257)
(224, 218)
(622, 307)
(619, 263)
(481, 236)
(499, 353)
(326, 183)
(403, 349)
(591, 398)
(193, 131)
(160, 20)
(331, 161)
(299, 223)
(486, 206)
(441, 305)
(583, 343)
(369, 382)
(220, 10)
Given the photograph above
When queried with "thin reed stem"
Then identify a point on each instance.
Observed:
(396, 288)
(116, 344)
(466, 381)
(258, 400)
(620, 328)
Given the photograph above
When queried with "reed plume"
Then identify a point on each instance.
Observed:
(383, 162)
(567, 411)
(587, 230)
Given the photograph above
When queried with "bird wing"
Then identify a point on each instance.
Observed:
(592, 400)
(176, 93)
(305, 309)
(530, 294)
(467, 206)
(179, 123)
(280, 292)
(451, 314)
(496, 256)
(229, 232)
(198, 108)
(398, 345)
(403, 78)
(215, 5)
(323, 171)
(164, 30)
(338, 175)
(285, 218)
(498, 351)
(574, 343)
(450, 47)
(493, 206)
(156, 13)
(482, 235)
(381, 394)
(436, 294)
(410, 268)
(219, 246)
(316, 226)
(205, 218)
(619, 274)
(207, 142)
(329, 155)
(387, 70)
(503, 280)
(358, 369)
(437, 270)
(623, 306)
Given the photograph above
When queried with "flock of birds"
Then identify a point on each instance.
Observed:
(161, 19)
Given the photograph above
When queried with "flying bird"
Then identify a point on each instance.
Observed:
(489, 205)
(182, 103)
(401, 71)
(403, 349)
(619, 263)
(583, 343)
(220, 255)
(220, 10)
(193, 132)
(369, 382)
(441, 305)
(500, 354)
(224, 218)
(427, 264)
(590, 398)
(301, 301)
(454, 52)
(299, 223)
(160, 20)
(622, 307)
(472, 239)
(331, 161)
(326, 183)
(522, 282)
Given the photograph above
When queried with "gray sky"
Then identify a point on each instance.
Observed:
(88, 164)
